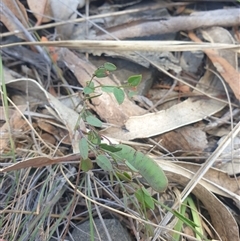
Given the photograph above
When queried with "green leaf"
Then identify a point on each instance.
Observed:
(108, 89)
(148, 198)
(196, 218)
(104, 163)
(83, 148)
(93, 121)
(144, 198)
(148, 201)
(94, 138)
(86, 165)
(90, 84)
(124, 176)
(134, 80)
(139, 196)
(119, 95)
(146, 192)
(87, 90)
(109, 66)
(101, 72)
(179, 225)
(132, 93)
(110, 148)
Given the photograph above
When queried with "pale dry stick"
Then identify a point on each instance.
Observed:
(119, 212)
(87, 23)
(231, 118)
(199, 175)
(151, 46)
(79, 20)
(220, 17)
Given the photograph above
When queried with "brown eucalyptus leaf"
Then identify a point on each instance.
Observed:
(225, 66)
(187, 139)
(17, 9)
(17, 126)
(40, 162)
(53, 128)
(41, 10)
(182, 114)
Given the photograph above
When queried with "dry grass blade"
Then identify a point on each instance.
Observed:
(131, 45)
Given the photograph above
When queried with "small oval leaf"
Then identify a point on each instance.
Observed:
(119, 95)
(148, 200)
(134, 80)
(94, 137)
(144, 198)
(104, 163)
(101, 72)
(109, 66)
(108, 89)
(86, 165)
(83, 148)
(87, 90)
(93, 121)
(132, 93)
(139, 196)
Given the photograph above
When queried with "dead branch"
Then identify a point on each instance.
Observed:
(223, 17)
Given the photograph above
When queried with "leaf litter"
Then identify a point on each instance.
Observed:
(40, 134)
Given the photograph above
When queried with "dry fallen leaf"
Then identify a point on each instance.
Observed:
(17, 127)
(41, 9)
(67, 116)
(187, 112)
(18, 10)
(187, 139)
(55, 130)
(227, 71)
(63, 11)
(41, 162)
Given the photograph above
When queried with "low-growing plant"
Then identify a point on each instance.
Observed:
(111, 158)
(106, 153)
